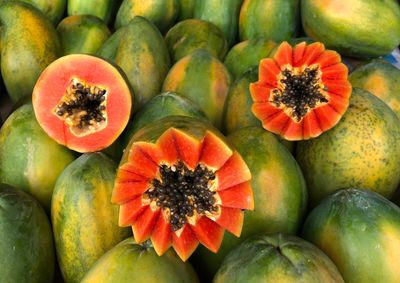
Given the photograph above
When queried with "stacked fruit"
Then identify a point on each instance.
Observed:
(275, 120)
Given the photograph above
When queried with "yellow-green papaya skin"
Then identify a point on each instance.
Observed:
(162, 13)
(85, 222)
(29, 43)
(52, 9)
(104, 9)
(140, 50)
(222, 13)
(82, 34)
(29, 159)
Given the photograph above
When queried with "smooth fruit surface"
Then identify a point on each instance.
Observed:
(85, 223)
(361, 151)
(277, 258)
(190, 35)
(104, 9)
(380, 78)
(82, 34)
(161, 13)
(29, 159)
(201, 69)
(29, 43)
(353, 27)
(26, 246)
(247, 54)
(129, 261)
(162, 105)
(269, 19)
(140, 50)
(222, 13)
(360, 231)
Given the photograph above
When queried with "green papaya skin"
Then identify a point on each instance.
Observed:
(186, 9)
(104, 9)
(29, 43)
(161, 13)
(269, 19)
(355, 28)
(53, 9)
(190, 35)
(82, 34)
(139, 49)
(222, 13)
(130, 262)
(29, 159)
(279, 188)
(26, 246)
(85, 222)
(161, 106)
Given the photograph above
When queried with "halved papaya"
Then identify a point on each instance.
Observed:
(82, 102)
(180, 184)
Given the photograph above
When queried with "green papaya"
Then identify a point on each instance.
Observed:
(139, 49)
(52, 9)
(104, 9)
(82, 34)
(222, 13)
(29, 43)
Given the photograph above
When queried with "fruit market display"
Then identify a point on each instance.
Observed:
(169, 141)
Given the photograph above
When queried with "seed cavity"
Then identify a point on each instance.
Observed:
(83, 108)
(299, 91)
(183, 193)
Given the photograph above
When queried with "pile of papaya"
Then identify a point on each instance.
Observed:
(185, 141)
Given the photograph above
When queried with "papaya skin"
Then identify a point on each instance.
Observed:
(29, 43)
(104, 9)
(52, 9)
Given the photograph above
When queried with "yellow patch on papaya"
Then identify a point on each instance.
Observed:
(178, 71)
(272, 195)
(338, 8)
(377, 85)
(390, 239)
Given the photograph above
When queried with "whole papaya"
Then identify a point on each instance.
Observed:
(29, 43)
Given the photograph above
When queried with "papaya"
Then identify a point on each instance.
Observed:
(380, 78)
(280, 194)
(104, 9)
(360, 231)
(190, 35)
(26, 246)
(247, 54)
(29, 42)
(277, 258)
(353, 27)
(181, 184)
(140, 50)
(130, 261)
(237, 108)
(222, 13)
(269, 19)
(82, 102)
(186, 9)
(29, 159)
(52, 9)
(201, 69)
(82, 34)
(160, 106)
(85, 222)
(161, 13)
(362, 150)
